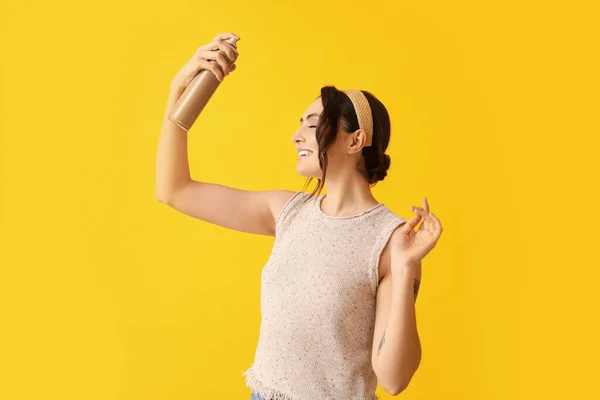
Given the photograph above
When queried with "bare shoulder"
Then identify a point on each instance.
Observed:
(278, 199)
(385, 261)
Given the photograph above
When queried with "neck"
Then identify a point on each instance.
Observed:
(348, 193)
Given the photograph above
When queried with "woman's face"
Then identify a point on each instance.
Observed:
(307, 147)
(305, 141)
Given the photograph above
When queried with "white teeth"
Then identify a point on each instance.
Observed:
(304, 153)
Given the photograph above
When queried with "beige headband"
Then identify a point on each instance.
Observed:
(363, 112)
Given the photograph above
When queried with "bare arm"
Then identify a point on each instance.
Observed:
(396, 345)
(246, 211)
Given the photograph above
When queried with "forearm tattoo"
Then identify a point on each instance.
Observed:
(416, 287)
(381, 343)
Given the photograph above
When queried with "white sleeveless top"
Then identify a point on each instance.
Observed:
(318, 298)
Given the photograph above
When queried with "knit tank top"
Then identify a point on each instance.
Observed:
(318, 298)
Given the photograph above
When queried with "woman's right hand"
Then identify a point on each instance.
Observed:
(202, 60)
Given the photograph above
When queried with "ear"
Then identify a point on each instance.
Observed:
(357, 141)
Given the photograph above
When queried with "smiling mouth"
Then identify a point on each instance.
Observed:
(304, 153)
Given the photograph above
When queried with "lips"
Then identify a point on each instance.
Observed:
(304, 153)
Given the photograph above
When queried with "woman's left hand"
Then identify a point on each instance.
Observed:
(412, 246)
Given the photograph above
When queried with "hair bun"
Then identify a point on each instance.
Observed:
(380, 171)
(387, 161)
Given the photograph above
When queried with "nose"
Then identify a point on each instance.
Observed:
(298, 137)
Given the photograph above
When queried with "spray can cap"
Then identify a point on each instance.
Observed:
(232, 41)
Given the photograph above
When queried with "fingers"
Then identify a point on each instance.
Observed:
(200, 64)
(438, 226)
(229, 50)
(221, 53)
(221, 60)
(424, 211)
(430, 223)
(419, 211)
(214, 61)
(424, 208)
(225, 36)
(428, 217)
(410, 224)
(225, 47)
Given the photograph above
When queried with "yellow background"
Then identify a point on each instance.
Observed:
(108, 294)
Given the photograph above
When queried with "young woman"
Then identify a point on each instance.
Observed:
(338, 292)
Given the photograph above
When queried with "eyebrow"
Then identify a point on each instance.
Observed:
(309, 116)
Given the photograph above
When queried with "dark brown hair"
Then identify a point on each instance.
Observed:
(338, 109)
